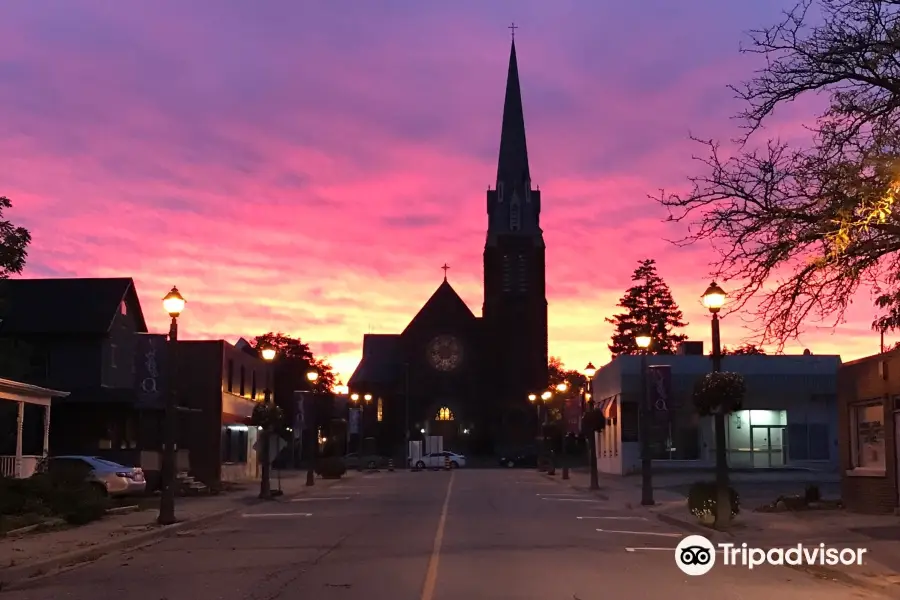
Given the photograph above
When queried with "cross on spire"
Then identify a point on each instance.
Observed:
(445, 268)
(513, 28)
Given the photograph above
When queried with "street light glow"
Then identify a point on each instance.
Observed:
(643, 341)
(714, 297)
(268, 353)
(354, 397)
(173, 302)
(562, 387)
(312, 376)
(367, 397)
(546, 395)
(590, 370)
(532, 397)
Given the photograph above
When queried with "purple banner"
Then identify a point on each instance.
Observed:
(659, 380)
(572, 410)
(150, 369)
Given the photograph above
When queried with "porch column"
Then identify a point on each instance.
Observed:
(20, 419)
(46, 430)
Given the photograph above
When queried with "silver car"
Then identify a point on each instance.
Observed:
(111, 478)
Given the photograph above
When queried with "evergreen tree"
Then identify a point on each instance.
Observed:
(649, 307)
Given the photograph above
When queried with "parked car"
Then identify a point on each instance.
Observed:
(437, 460)
(109, 478)
(369, 461)
(519, 459)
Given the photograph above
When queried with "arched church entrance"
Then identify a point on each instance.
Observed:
(445, 422)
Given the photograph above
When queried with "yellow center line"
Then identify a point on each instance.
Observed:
(431, 572)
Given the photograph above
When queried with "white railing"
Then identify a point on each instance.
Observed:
(26, 468)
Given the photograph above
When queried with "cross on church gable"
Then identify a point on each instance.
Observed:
(445, 268)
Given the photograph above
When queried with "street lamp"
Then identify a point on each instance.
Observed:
(265, 487)
(173, 304)
(714, 299)
(643, 341)
(533, 398)
(589, 371)
(312, 376)
(562, 387)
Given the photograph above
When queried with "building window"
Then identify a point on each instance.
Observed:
(253, 384)
(522, 276)
(514, 217)
(444, 414)
(230, 383)
(507, 274)
(243, 380)
(868, 436)
(112, 355)
(500, 192)
(380, 414)
(234, 443)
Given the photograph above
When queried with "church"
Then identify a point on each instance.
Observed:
(451, 373)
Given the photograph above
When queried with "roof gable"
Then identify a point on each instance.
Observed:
(380, 360)
(72, 306)
(444, 306)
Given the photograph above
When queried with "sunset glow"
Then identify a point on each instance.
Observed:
(304, 168)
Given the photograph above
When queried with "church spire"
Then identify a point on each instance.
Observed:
(512, 167)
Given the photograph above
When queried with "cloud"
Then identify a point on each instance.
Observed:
(309, 168)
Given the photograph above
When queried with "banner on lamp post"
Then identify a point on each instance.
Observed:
(354, 421)
(660, 383)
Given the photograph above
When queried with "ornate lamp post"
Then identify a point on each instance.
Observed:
(643, 341)
(312, 376)
(265, 486)
(589, 371)
(173, 304)
(714, 299)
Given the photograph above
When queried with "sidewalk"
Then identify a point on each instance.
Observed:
(878, 534)
(36, 554)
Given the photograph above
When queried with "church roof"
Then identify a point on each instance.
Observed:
(512, 166)
(444, 304)
(380, 360)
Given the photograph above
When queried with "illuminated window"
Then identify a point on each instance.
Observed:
(379, 410)
(444, 414)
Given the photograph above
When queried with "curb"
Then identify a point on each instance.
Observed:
(18, 576)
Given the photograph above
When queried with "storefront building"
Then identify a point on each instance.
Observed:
(869, 415)
(789, 417)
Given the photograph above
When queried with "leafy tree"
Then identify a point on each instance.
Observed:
(745, 349)
(649, 307)
(557, 374)
(294, 356)
(13, 244)
(801, 228)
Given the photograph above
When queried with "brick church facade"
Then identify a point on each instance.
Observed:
(450, 372)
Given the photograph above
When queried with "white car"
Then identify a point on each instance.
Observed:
(437, 460)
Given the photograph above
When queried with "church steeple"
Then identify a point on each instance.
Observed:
(512, 167)
(513, 207)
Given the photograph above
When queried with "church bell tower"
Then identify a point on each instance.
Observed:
(515, 301)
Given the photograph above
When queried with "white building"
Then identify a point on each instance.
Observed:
(789, 416)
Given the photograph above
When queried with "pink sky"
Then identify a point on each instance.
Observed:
(309, 170)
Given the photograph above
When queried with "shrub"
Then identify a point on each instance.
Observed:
(702, 499)
(813, 494)
(331, 468)
(75, 501)
(79, 504)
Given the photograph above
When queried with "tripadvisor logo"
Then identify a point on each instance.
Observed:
(696, 555)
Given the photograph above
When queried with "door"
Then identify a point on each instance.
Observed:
(776, 446)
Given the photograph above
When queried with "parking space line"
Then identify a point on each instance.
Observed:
(616, 518)
(561, 495)
(261, 515)
(574, 500)
(628, 549)
(640, 533)
(320, 499)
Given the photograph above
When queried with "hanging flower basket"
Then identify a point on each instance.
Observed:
(267, 415)
(592, 421)
(719, 391)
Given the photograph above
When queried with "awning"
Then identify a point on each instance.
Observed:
(610, 408)
(603, 405)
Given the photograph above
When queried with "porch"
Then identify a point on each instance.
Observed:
(24, 426)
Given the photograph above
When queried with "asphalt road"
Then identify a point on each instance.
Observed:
(466, 535)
